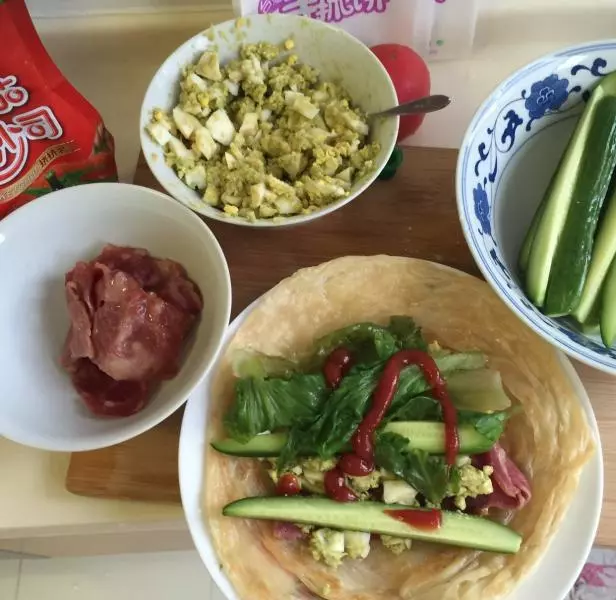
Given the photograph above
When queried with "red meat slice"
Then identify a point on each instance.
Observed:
(130, 314)
(287, 531)
(136, 335)
(511, 487)
(166, 278)
(105, 396)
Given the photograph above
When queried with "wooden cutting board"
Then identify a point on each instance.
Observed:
(414, 214)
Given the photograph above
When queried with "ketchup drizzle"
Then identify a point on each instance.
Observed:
(337, 366)
(336, 488)
(420, 519)
(361, 461)
(362, 441)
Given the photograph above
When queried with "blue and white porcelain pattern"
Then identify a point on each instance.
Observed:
(547, 93)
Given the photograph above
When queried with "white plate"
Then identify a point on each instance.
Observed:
(553, 577)
(39, 243)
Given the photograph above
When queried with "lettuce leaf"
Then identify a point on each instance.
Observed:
(332, 428)
(250, 363)
(490, 425)
(428, 474)
(407, 333)
(270, 404)
(368, 342)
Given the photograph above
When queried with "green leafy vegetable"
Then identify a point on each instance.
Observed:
(248, 363)
(413, 383)
(344, 410)
(340, 416)
(406, 333)
(416, 408)
(428, 474)
(269, 404)
(490, 426)
(369, 343)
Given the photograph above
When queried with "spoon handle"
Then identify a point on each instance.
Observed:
(423, 105)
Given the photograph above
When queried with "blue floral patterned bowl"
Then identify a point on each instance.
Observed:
(508, 155)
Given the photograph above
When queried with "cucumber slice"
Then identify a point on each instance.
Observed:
(422, 435)
(574, 252)
(524, 256)
(430, 437)
(608, 310)
(603, 253)
(560, 252)
(457, 529)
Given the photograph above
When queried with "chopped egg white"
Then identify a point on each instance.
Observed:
(221, 127)
(204, 142)
(209, 67)
(159, 133)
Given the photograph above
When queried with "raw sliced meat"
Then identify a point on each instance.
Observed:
(511, 487)
(105, 396)
(166, 278)
(136, 335)
(130, 314)
(287, 531)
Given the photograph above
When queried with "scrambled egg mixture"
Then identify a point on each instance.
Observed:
(263, 136)
(332, 546)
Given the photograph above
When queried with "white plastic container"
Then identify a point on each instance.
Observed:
(436, 29)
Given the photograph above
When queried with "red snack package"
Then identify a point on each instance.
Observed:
(50, 136)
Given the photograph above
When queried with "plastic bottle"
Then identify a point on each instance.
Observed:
(436, 29)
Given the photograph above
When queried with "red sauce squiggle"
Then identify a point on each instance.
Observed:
(336, 488)
(420, 519)
(351, 464)
(362, 441)
(337, 366)
(361, 461)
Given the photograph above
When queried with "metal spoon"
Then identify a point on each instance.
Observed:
(423, 105)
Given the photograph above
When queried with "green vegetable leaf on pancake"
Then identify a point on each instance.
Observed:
(428, 474)
(270, 404)
(367, 341)
(490, 426)
(346, 406)
(407, 333)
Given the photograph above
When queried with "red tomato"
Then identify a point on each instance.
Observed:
(410, 76)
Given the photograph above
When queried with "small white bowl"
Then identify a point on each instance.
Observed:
(336, 54)
(39, 243)
(509, 153)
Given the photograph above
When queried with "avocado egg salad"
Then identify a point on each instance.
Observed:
(377, 435)
(263, 136)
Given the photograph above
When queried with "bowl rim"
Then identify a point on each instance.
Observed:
(571, 348)
(212, 213)
(140, 425)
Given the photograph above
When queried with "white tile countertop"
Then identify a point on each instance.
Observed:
(111, 59)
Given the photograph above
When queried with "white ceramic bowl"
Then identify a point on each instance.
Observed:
(38, 244)
(508, 155)
(336, 54)
(553, 576)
